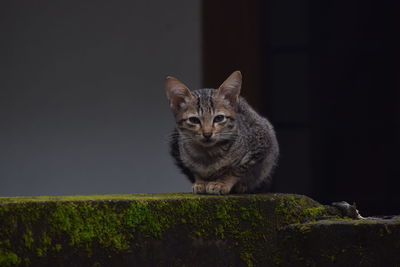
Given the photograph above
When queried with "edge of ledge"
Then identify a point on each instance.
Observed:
(138, 197)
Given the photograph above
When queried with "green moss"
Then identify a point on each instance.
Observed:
(149, 218)
(297, 209)
(248, 258)
(110, 198)
(8, 258)
(315, 213)
(40, 252)
(44, 244)
(84, 224)
(305, 228)
(118, 224)
(57, 247)
(28, 239)
(246, 224)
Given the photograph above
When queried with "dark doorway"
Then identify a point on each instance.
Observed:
(326, 75)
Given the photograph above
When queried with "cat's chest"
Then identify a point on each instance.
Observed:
(208, 164)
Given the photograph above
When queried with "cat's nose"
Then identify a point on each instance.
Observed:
(207, 134)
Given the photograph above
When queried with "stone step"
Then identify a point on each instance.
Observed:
(187, 230)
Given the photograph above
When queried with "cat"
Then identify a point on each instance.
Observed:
(220, 143)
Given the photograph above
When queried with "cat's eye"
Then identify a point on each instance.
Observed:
(219, 118)
(194, 120)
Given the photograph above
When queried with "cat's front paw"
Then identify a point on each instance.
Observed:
(199, 188)
(217, 188)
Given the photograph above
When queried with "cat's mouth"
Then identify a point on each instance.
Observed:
(206, 141)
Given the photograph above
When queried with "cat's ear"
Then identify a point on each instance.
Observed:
(177, 93)
(230, 88)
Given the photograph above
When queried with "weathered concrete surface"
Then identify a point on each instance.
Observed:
(184, 230)
(369, 242)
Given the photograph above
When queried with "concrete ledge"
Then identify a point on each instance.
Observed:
(175, 230)
(344, 242)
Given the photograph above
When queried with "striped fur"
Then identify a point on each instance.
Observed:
(241, 151)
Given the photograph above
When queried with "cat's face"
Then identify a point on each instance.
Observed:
(206, 119)
(205, 116)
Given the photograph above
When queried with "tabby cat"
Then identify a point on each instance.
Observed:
(220, 143)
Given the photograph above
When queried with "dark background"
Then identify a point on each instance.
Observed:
(328, 79)
(82, 107)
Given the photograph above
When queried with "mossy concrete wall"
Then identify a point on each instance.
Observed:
(175, 230)
(343, 242)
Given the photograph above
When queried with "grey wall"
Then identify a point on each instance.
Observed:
(82, 105)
